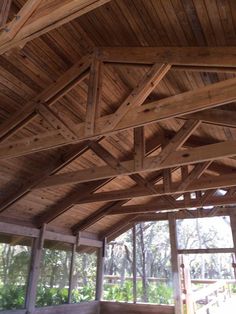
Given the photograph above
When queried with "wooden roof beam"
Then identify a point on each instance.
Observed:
(44, 20)
(176, 158)
(158, 205)
(86, 189)
(175, 106)
(15, 26)
(5, 6)
(111, 207)
(116, 230)
(94, 95)
(114, 206)
(47, 97)
(192, 56)
(136, 98)
(202, 184)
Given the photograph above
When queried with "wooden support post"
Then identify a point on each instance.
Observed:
(139, 147)
(100, 271)
(233, 229)
(167, 180)
(134, 265)
(34, 271)
(72, 265)
(175, 265)
(94, 96)
(187, 285)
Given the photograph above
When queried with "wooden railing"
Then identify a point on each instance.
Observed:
(214, 294)
(203, 300)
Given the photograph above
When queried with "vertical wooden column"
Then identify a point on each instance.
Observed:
(134, 264)
(72, 264)
(34, 271)
(187, 285)
(139, 147)
(175, 265)
(233, 229)
(100, 271)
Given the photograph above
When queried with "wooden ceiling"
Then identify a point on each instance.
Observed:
(127, 157)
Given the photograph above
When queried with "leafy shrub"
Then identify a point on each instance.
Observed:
(12, 297)
(86, 293)
(157, 293)
(119, 293)
(51, 296)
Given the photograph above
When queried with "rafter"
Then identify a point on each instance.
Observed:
(47, 97)
(139, 147)
(13, 27)
(52, 167)
(44, 20)
(94, 96)
(177, 158)
(194, 174)
(202, 184)
(159, 205)
(104, 210)
(147, 84)
(176, 142)
(87, 189)
(197, 56)
(200, 99)
(68, 202)
(5, 6)
(116, 230)
(115, 164)
(215, 116)
(115, 207)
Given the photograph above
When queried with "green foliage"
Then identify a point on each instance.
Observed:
(160, 294)
(51, 296)
(12, 297)
(157, 293)
(118, 292)
(233, 288)
(86, 293)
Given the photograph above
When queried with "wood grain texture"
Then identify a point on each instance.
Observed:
(108, 307)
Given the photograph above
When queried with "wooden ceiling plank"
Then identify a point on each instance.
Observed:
(94, 96)
(138, 95)
(68, 202)
(216, 117)
(49, 96)
(62, 161)
(202, 184)
(55, 121)
(118, 227)
(50, 19)
(194, 56)
(189, 102)
(5, 6)
(95, 217)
